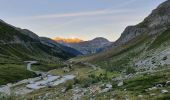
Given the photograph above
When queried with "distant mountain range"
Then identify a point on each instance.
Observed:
(86, 47)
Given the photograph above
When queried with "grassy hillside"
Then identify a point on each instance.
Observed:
(163, 38)
(17, 47)
(13, 73)
(8, 33)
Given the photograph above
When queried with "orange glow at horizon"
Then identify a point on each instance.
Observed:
(67, 40)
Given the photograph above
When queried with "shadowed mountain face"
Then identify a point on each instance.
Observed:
(143, 46)
(89, 47)
(56, 45)
(22, 44)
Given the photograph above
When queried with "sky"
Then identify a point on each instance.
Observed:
(84, 19)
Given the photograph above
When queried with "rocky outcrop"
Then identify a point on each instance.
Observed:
(130, 33)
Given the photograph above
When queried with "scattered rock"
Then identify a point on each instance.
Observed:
(159, 85)
(120, 83)
(168, 83)
(153, 88)
(108, 86)
(140, 96)
(63, 90)
(164, 91)
(146, 90)
(152, 94)
(106, 90)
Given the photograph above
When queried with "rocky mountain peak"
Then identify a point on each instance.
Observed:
(159, 17)
(157, 22)
(100, 39)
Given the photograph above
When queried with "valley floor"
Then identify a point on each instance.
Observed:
(95, 83)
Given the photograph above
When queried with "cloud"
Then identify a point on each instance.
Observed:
(76, 14)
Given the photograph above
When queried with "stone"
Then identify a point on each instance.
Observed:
(63, 90)
(159, 85)
(106, 90)
(140, 96)
(168, 83)
(153, 88)
(152, 94)
(108, 85)
(120, 84)
(164, 91)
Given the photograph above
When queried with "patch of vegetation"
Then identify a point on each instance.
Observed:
(136, 86)
(69, 86)
(10, 73)
(163, 97)
(161, 40)
(8, 97)
(130, 70)
(140, 83)
(100, 75)
(46, 67)
(88, 81)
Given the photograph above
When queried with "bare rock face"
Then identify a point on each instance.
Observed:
(158, 21)
(130, 33)
(160, 17)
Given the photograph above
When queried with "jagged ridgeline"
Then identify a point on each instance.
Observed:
(143, 46)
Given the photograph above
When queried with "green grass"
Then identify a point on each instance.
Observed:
(147, 80)
(110, 74)
(81, 72)
(162, 39)
(8, 33)
(137, 86)
(10, 73)
(47, 66)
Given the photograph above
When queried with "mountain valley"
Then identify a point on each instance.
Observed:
(134, 67)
